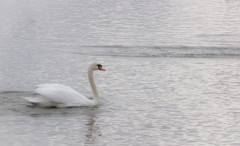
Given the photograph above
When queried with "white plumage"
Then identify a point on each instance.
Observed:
(59, 95)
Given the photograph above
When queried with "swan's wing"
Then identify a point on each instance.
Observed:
(60, 94)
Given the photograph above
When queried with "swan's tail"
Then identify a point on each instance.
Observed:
(37, 100)
(33, 99)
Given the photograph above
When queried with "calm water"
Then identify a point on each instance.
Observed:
(173, 71)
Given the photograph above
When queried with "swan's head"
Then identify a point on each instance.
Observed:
(97, 66)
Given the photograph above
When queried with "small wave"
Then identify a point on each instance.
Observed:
(15, 92)
(161, 51)
(9, 92)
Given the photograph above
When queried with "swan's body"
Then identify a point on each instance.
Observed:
(63, 96)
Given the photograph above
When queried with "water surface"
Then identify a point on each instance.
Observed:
(172, 71)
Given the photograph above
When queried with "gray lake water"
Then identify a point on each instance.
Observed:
(173, 71)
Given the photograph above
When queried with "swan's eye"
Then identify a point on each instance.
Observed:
(100, 67)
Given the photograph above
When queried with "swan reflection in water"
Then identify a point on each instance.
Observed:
(86, 130)
(93, 131)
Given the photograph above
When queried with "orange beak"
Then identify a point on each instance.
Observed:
(100, 68)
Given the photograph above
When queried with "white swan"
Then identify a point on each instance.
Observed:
(58, 95)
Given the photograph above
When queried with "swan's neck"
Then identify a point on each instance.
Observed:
(93, 86)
